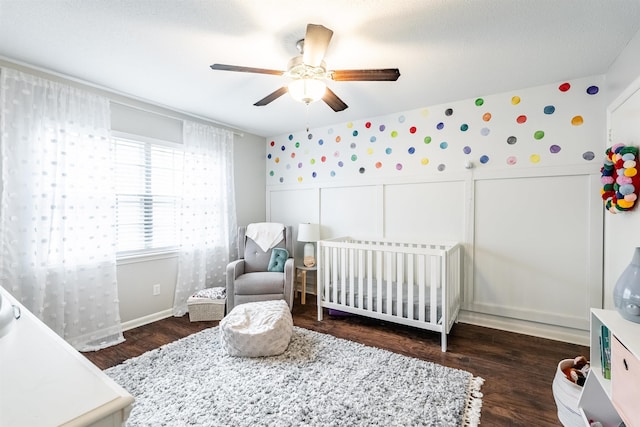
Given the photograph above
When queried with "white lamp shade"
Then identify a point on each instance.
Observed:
(307, 90)
(308, 232)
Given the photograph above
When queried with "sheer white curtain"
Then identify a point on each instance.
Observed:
(57, 219)
(208, 226)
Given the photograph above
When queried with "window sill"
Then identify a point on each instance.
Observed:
(146, 256)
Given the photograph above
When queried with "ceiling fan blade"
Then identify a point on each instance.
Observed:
(383, 74)
(272, 97)
(332, 100)
(316, 42)
(224, 67)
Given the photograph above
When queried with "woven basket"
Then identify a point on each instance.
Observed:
(201, 309)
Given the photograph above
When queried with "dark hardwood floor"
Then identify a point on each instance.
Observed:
(518, 369)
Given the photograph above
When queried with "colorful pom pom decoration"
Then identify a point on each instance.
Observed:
(620, 178)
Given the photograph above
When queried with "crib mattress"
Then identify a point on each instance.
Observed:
(394, 299)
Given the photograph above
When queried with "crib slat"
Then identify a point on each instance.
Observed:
(421, 286)
(360, 276)
(435, 283)
(352, 278)
(343, 276)
(399, 283)
(389, 270)
(369, 279)
(379, 280)
(410, 284)
(335, 274)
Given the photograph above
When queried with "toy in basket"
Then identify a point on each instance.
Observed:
(207, 304)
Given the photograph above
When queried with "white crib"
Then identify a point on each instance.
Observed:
(408, 283)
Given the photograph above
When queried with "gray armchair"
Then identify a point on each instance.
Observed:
(248, 279)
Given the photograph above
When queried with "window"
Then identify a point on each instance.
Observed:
(148, 177)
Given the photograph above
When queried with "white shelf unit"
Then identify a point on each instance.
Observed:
(596, 401)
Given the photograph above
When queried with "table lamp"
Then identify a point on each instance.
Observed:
(309, 233)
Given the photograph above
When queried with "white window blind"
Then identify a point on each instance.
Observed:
(147, 185)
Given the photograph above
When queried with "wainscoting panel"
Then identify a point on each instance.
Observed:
(351, 211)
(431, 212)
(536, 246)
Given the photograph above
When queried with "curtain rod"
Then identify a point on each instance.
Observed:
(110, 93)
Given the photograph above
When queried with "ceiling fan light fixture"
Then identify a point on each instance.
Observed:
(307, 90)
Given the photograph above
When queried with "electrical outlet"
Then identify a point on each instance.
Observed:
(156, 289)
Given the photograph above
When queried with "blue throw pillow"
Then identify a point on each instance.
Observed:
(278, 258)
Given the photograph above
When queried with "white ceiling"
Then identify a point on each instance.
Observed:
(446, 50)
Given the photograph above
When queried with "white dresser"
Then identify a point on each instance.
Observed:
(46, 382)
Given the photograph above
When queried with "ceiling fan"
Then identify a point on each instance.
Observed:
(308, 72)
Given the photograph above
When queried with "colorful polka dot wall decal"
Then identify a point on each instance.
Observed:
(277, 160)
(355, 133)
(534, 158)
(271, 173)
(479, 102)
(354, 157)
(394, 134)
(369, 151)
(373, 139)
(378, 165)
(412, 129)
(361, 170)
(310, 136)
(512, 160)
(352, 145)
(290, 137)
(486, 117)
(281, 179)
(333, 173)
(464, 127)
(273, 143)
(577, 121)
(401, 119)
(388, 150)
(466, 150)
(293, 155)
(323, 159)
(320, 141)
(299, 165)
(441, 167)
(299, 179)
(314, 174)
(427, 139)
(424, 161)
(367, 125)
(440, 126)
(549, 109)
(554, 149)
(340, 163)
(485, 131)
(484, 159)
(444, 145)
(539, 134)
(312, 161)
(564, 87)
(411, 150)
(588, 155)
(512, 140)
(424, 112)
(515, 100)
(338, 139)
(399, 166)
(592, 90)
(382, 128)
(350, 125)
(336, 154)
(283, 148)
(448, 112)
(521, 119)
(269, 156)
(297, 145)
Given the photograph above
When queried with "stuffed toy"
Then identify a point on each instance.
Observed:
(578, 372)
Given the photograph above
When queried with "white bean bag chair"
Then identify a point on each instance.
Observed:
(257, 329)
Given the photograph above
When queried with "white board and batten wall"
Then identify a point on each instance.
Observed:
(531, 227)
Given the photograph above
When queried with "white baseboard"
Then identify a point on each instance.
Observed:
(540, 330)
(141, 321)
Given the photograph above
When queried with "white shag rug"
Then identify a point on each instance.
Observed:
(319, 380)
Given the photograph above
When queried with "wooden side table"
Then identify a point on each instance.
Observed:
(303, 273)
